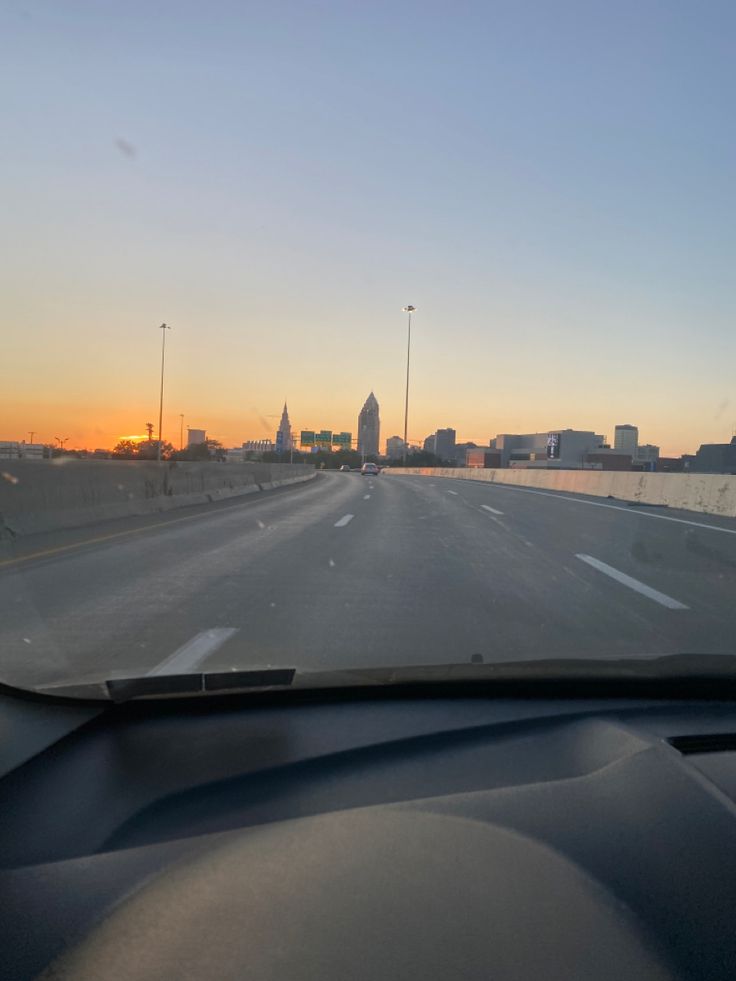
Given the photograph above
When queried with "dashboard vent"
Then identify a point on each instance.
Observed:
(712, 742)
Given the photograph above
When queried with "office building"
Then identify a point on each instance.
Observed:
(461, 452)
(647, 453)
(259, 446)
(607, 459)
(430, 444)
(283, 433)
(369, 427)
(626, 440)
(715, 458)
(395, 448)
(557, 449)
(445, 445)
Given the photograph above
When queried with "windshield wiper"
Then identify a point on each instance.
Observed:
(123, 689)
(689, 675)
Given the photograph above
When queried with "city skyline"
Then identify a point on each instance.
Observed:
(556, 202)
(264, 427)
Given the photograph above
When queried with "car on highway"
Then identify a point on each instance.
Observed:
(345, 468)
(370, 470)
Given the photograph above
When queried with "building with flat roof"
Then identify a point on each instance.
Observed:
(626, 439)
(195, 437)
(395, 448)
(557, 449)
(715, 458)
(445, 444)
(647, 453)
(259, 446)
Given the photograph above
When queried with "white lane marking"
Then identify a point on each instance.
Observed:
(613, 507)
(487, 507)
(640, 587)
(191, 654)
(453, 492)
(366, 497)
(344, 520)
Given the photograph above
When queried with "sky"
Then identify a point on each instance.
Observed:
(551, 184)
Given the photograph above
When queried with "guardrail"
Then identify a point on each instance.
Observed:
(49, 495)
(707, 493)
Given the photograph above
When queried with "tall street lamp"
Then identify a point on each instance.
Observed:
(163, 328)
(409, 310)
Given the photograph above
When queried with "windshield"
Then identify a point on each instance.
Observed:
(343, 337)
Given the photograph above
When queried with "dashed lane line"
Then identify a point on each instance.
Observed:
(635, 584)
(191, 654)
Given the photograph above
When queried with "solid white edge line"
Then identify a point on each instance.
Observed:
(562, 496)
(653, 594)
(487, 507)
(191, 654)
(344, 520)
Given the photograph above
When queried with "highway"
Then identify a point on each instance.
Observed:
(352, 571)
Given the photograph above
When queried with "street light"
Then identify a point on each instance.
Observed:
(61, 441)
(409, 310)
(163, 328)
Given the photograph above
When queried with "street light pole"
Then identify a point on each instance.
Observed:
(163, 328)
(409, 310)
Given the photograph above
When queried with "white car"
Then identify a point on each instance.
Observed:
(369, 470)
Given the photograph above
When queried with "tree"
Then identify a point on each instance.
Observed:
(147, 449)
(126, 449)
(211, 449)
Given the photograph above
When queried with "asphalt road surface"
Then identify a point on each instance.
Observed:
(352, 571)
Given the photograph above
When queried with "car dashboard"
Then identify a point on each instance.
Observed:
(369, 836)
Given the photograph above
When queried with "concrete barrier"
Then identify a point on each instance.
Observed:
(49, 495)
(707, 493)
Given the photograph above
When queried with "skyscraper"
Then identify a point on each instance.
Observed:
(626, 439)
(283, 433)
(445, 444)
(369, 427)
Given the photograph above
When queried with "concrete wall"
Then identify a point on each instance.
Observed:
(708, 493)
(47, 495)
